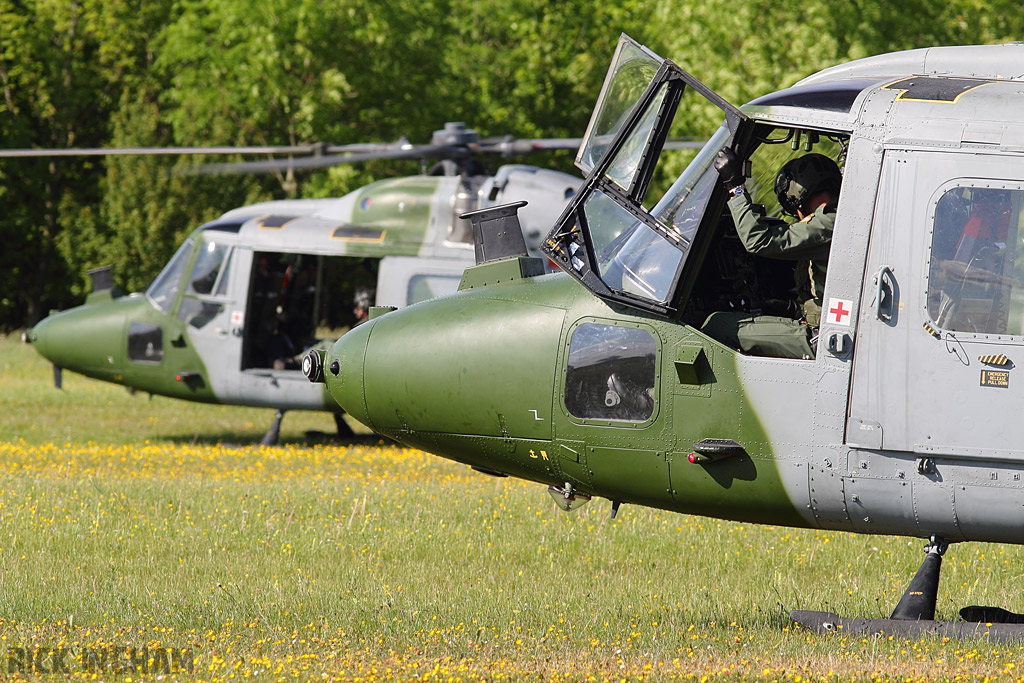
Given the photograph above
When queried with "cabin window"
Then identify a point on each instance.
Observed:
(975, 280)
(145, 343)
(165, 286)
(611, 373)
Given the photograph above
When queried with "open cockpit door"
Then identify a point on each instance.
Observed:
(606, 238)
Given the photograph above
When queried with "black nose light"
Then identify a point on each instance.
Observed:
(335, 368)
(313, 366)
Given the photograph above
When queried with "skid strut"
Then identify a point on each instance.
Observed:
(918, 601)
(270, 438)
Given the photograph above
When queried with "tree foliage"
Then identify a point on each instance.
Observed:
(85, 73)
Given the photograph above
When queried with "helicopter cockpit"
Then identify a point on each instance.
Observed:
(681, 258)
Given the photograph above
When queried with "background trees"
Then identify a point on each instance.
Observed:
(202, 72)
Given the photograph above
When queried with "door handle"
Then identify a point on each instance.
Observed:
(885, 297)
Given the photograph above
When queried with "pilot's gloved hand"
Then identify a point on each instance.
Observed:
(729, 167)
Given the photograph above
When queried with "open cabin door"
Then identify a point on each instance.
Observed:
(941, 339)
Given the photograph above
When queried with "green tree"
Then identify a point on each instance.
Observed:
(531, 67)
(286, 72)
(51, 83)
(62, 68)
(743, 50)
(149, 204)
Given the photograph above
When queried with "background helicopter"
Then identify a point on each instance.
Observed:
(246, 294)
(602, 380)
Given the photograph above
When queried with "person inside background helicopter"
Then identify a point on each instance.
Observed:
(808, 189)
(362, 300)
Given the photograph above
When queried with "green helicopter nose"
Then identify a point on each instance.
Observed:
(86, 339)
(343, 371)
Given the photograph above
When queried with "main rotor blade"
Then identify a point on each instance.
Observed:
(153, 151)
(323, 155)
(509, 147)
(271, 165)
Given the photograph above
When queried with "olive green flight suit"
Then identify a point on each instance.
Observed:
(806, 241)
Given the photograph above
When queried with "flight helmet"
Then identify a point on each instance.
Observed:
(804, 177)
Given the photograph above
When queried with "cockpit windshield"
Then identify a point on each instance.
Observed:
(609, 240)
(682, 207)
(165, 286)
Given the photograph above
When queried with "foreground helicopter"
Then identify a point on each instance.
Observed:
(603, 380)
(231, 314)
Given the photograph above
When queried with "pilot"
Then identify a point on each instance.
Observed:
(361, 302)
(808, 189)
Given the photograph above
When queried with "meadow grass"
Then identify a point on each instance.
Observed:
(87, 410)
(129, 523)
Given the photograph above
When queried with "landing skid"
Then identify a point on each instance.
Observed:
(914, 616)
(826, 622)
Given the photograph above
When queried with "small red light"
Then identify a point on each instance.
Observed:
(177, 377)
(692, 458)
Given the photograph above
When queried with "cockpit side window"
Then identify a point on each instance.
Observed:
(208, 266)
(207, 285)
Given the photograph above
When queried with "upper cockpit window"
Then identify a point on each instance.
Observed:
(632, 68)
(165, 286)
(835, 96)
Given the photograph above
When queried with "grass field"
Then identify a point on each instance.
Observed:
(155, 529)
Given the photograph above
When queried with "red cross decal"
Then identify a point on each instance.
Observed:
(838, 310)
